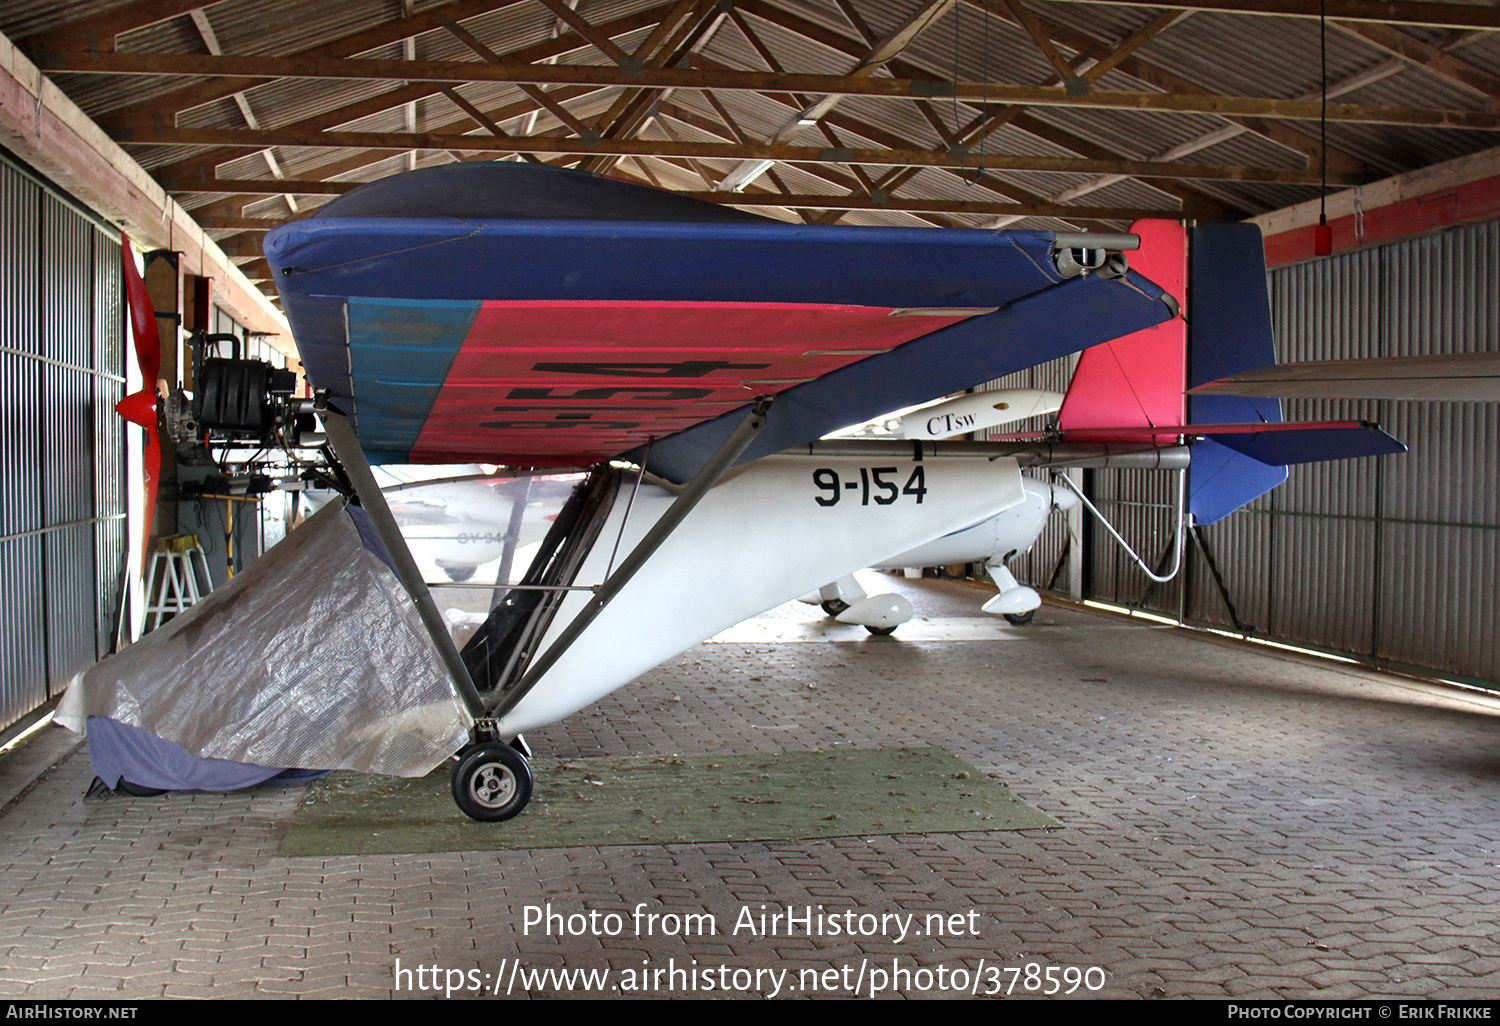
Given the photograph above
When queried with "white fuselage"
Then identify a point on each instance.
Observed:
(772, 531)
(994, 539)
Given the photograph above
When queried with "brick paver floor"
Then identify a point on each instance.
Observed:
(1236, 822)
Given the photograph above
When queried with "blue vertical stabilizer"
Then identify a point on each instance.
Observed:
(1229, 330)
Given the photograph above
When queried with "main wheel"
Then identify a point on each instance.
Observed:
(833, 606)
(881, 632)
(1020, 619)
(491, 782)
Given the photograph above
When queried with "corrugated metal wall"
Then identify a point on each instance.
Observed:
(1391, 559)
(62, 487)
(1394, 558)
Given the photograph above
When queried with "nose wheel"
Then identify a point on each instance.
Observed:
(492, 781)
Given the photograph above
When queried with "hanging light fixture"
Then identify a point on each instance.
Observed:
(1323, 233)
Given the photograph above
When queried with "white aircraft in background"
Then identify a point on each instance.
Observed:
(992, 542)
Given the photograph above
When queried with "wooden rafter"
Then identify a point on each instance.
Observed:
(201, 166)
(684, 29)
(98, 31)
(865, 165)
(987, 121)
(1388, 12)
(579, 24)
(1028, 21)
(879, 54)
(1434, 58)
(1268, 128)
(163, 109)
(817, 201)
(1137, 39)
(1083, 44)
(1023, 208)
(480, 117)
(541, 96)
(832, 174)
(784, 152)
(763, 82)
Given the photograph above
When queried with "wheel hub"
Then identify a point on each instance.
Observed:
(493, 785)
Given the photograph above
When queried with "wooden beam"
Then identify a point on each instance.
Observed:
(1195, 204)
(901, 37)
(1199, 204)
(245, 224)
(1282, 134)
(760, 82)
(482, 120)
(880, 54)
(1028, 21)
(679, 34)
(256, 270)
(592, 33)
(98, 31)
(1082, 43)
(259, 140)
(183, 174)
(162, 109)
(1436, 60)
(994, 118)
(1462, 191)
(1137, 39)
(42, 127)
(1390, 12)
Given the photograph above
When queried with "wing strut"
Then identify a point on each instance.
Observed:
(689, 497)
(352, 457)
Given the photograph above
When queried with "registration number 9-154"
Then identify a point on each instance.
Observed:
(880, 485)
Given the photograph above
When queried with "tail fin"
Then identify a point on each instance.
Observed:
(1124, 388)
(1218, 273)
(1137, 380)
(1230, 332)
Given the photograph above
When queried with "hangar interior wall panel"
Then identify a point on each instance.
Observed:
(62, 476)
(1390, 559)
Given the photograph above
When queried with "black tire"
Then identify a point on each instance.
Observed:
(833, 607)
(881, 632)
(492, 782)
(1020, 619)
(137, 790)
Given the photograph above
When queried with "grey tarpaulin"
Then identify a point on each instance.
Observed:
(314, 656)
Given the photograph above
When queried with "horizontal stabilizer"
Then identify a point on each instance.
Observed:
(1294, 444)
(1228, 467)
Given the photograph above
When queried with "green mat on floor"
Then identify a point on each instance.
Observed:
(665, 799)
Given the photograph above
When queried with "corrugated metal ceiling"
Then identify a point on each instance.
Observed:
(1207, 53)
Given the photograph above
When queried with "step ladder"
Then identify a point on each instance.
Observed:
(173, 583)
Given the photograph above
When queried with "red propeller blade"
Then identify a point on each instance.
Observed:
(140, 407)
(142, 319)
